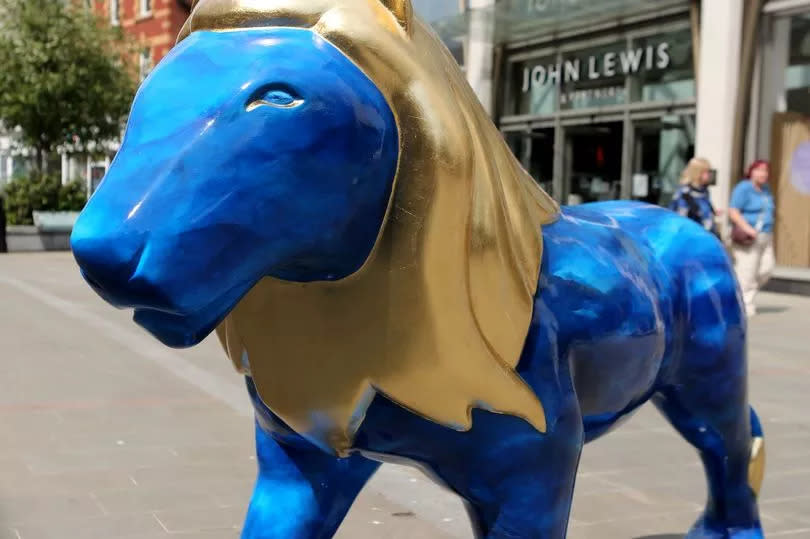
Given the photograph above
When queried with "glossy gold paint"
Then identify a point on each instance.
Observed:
(437, 317)
(756, 468)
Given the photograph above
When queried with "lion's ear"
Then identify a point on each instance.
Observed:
(402, 10)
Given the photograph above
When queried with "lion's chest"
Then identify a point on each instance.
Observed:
(319, 355)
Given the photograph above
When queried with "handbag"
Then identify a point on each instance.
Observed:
(741, 238)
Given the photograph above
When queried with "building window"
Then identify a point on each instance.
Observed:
(97, 170)
(146, 7)
(114, 12)
(4, 169)
(145, 62)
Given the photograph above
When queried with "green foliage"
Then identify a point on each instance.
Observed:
(63, 80)
(72, 196)
(23, 196)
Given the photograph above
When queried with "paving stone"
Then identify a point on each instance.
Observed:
(98, 441)
(794, 533)
(18, 509)
(96, 528)
(198, 520)
(668, 526)
(75, 481)
(781, 522)
(782, 484)
(139, 499)
(374, 516)
(216, 534)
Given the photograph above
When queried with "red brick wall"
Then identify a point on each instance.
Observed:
(158, 30)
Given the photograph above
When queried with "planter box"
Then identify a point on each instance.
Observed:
(55, 221)
(51, 232)
(30, 238)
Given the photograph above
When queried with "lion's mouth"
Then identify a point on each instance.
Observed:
(187, 330)
(176, 331)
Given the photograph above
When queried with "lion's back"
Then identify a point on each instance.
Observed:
(617, 277)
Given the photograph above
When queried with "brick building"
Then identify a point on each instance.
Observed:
(153, 23)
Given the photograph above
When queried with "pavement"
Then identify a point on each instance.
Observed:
(104, 433)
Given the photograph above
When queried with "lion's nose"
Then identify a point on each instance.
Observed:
(112, 262)
(107, 258)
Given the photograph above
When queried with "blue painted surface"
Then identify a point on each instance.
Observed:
(694, 203)
(634, 302)
(300, 193)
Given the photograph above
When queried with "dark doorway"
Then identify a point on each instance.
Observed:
(541, 161)
(535, 151)
(594, 162)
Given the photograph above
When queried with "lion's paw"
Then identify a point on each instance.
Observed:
(705, 529)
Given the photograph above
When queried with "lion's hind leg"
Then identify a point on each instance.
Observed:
(704, 396)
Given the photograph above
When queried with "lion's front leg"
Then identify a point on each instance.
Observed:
(302, 492)
(531, 485)
(517, 482)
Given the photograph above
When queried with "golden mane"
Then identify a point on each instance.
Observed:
(437, 317)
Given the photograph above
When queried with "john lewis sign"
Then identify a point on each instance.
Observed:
(609, 64)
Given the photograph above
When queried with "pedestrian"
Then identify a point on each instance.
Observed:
(752, 216)
(692, 198)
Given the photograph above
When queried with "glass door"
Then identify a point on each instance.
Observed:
(662, 148)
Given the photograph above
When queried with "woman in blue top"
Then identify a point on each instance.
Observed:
(692, 198)
(752, 215)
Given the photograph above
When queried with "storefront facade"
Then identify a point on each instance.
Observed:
(779, 123)
(607, 100)
(604, 116)
(597, 104)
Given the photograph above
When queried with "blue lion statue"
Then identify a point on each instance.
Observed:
(315, 182)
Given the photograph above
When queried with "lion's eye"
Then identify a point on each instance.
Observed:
(274, 96)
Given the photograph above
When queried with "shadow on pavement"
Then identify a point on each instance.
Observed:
(771, 309)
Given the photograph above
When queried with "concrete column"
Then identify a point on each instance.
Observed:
(772, 94)
(480, 50)
(718, 81)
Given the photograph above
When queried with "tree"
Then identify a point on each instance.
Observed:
(63, 78)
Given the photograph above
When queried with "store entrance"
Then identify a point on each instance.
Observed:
(535, 151)
(662, 148)
(593, 162)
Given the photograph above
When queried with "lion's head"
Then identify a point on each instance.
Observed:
(320, 173)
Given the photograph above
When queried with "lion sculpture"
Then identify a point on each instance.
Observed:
(316, 181)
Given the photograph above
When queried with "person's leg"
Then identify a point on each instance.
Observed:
(767, 263)
(746, 261)
(763, 268)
